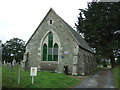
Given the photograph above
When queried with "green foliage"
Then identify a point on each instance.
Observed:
(118, 61)
(98, 59)
(98, 25)
(13, 49)
(116, 73)
(42, 80)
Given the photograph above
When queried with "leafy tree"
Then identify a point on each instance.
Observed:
(98, 23)
(13, 49)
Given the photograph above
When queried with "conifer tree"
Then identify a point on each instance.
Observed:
(98, 23)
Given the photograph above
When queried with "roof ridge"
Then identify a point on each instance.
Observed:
(73, 35)
(39, 25)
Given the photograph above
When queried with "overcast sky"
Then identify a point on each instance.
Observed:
(20, 18)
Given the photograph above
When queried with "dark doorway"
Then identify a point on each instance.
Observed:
(66, 70)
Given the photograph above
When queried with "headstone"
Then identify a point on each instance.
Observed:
(8, 64)
(17, 63)
(23, 62)
(38, 67)
(22, 65)
(4, 63)
(13, 62)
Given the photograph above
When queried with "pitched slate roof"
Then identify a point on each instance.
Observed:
(78, 38)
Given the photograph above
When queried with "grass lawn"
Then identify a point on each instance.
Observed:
(42, 80)
(0, 73)
(116, 73)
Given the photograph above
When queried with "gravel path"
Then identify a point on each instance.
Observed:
(102, 79)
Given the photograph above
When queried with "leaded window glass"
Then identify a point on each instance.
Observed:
(50, 40)
(50, 52)
(55, 52)
(50, 46)
(45, 52)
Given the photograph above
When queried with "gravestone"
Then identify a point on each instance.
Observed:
(23, 62)
(38, 68)
(13, 62)
(17, 63)
(8, 64)
(23, 65)
(4, 63)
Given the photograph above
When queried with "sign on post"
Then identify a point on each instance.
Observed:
(33, 72)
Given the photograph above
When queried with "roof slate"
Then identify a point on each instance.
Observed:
(78, 38)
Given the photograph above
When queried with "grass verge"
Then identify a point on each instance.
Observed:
(42, 80)
(116, 74)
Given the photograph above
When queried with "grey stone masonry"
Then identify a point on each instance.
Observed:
(73, 50)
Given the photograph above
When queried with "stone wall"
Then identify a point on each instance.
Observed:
(47, 66)
(70, 54)
(64, 39)
(86, 62)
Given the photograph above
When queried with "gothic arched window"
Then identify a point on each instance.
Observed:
(55, 52)
(50, 46)
(45, 52)
(50, 51)
(50, 40)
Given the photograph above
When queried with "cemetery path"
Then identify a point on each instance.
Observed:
(101, 79)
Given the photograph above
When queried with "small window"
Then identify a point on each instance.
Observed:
(51, 21)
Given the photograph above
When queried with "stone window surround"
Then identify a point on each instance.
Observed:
(40, 49)
(50, 21)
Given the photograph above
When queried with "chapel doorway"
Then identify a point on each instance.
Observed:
(66, 70)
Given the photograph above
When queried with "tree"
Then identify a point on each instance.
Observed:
(98, 24)
(13, 49)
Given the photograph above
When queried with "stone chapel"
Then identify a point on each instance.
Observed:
(55, 46)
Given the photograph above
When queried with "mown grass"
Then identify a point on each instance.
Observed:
(0, 73)
(116, 73)
(42, 80)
